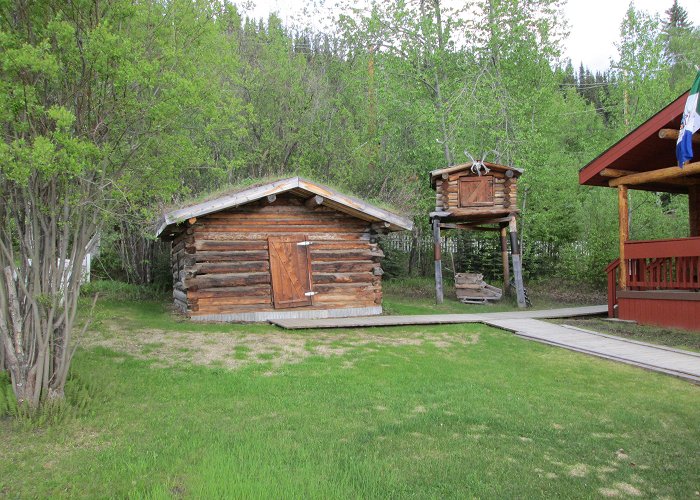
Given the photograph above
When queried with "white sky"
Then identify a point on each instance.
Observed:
(594, 25)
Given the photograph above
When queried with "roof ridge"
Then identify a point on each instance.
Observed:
(251, 194)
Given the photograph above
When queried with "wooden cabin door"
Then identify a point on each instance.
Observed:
(290, 271)
(476, 191)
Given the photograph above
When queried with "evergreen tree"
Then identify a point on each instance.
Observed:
(681, 40)
(676, 18)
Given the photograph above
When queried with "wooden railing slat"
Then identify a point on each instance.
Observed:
(669, 273)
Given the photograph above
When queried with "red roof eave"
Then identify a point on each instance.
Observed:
(646, 130)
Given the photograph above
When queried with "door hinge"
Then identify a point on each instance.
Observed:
(309, 294)
(304, 243)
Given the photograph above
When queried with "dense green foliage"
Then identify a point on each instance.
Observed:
(389, 93)
(447, 411)
(170, 99)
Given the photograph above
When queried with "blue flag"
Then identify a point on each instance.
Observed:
(690, 123)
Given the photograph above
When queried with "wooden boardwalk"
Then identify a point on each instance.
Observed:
(683, 364)
(528, 325)
(435, 319)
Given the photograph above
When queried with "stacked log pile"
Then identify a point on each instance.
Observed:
(472, 289)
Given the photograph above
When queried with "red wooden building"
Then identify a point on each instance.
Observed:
(653, 282)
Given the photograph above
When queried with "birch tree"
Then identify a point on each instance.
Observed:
(88, 92)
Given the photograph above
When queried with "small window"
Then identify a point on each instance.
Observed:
(476, 191)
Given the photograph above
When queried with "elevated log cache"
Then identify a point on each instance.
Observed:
(479, 197)
(465, 194)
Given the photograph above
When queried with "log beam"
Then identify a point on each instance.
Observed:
(271, 198)
(672, 133)
(468, 227)
(517, 263)
(314, 201)
(439, 295)
(380, 226)
(623, 222)
(615, 173)
(660, 175)
(504, 258)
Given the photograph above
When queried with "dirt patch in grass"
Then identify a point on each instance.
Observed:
(579, 470)
(233, 350)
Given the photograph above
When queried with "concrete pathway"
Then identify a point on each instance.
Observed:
(527, 324)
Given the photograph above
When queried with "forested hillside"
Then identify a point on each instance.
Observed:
(156, 102)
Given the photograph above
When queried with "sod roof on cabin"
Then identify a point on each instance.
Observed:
(294, 185)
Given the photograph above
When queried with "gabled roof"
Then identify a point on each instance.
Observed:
(465, 166)
(641, 150)
(297, 186)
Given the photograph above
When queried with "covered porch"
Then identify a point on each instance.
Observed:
(655, 282)
(659, 284)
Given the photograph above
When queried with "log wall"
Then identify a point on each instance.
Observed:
(505, 191)
(179, 256)
(221, 262)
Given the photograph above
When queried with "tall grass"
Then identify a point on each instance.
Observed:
(119, 290)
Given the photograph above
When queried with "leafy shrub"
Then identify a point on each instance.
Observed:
(118, 290)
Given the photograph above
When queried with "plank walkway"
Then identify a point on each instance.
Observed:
(434, 319)
(682, 364)
(527, 325)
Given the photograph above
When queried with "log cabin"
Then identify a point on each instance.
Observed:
(286, 249)
(478, 196)
(653, 282)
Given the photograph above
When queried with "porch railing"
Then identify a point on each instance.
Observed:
(663, 264)
(657, 265)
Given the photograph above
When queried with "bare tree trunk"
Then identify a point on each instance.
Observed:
(41, 255)
(139, 253)
(438, 100)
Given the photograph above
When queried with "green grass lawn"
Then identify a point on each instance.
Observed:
(187, 410)
(417, 296)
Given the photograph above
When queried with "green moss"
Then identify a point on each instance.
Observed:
(252, 183)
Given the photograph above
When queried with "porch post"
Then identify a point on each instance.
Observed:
(623, 215)
(694, 210)
(439, 296)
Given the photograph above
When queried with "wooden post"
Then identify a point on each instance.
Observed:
(439, 296)
(504, 258)
(694, 210)
(517, 263)
(623, 215)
